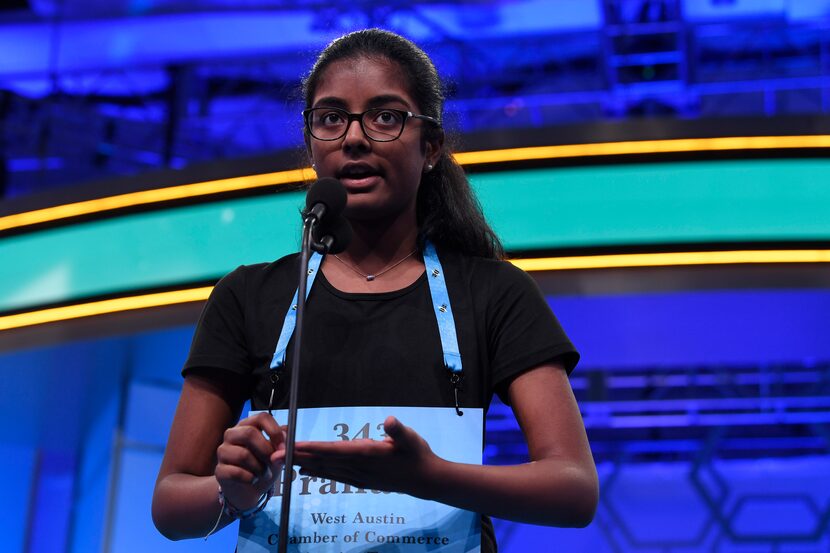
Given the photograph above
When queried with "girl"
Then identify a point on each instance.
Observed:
(373, 120)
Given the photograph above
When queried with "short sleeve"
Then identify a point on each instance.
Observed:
(219, 340)
(522, 331)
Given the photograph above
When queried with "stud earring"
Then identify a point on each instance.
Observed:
(314, 166)
(428, 168)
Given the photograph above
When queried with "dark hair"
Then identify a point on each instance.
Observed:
(448, 213)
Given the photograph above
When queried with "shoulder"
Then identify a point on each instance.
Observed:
(520, 330)
(489, 276)
(496, 289)
(248, 285)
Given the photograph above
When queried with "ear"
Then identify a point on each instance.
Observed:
(308, 149)
(434, 148)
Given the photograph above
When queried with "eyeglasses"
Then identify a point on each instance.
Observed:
(378, 124)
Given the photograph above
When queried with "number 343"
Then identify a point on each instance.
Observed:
(363, 433)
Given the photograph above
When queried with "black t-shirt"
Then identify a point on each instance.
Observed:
(382, 349)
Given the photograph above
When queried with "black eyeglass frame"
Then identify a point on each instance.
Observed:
(406, 115)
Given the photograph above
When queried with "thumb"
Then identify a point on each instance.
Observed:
(277, 458)
(396, 430)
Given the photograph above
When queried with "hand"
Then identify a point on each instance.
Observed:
(402, 462)
(248, 463)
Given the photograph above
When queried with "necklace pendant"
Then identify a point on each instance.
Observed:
(370, 278)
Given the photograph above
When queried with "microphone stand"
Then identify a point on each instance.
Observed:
(308, 244)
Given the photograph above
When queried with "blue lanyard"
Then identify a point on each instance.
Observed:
(290, 322)
(441, 306)
(443, 309)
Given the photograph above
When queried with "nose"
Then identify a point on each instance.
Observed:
(355, 139)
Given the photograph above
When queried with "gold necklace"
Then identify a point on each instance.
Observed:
(370, 278)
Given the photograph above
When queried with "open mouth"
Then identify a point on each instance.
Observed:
(358, 175)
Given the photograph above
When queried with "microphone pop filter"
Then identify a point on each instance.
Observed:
(328, 192)
(335, 235)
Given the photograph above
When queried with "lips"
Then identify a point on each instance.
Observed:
(358, 175)
(357, 171)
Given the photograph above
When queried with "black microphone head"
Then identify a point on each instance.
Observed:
(335, 235)
(330, 193)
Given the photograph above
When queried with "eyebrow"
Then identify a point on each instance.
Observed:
(384, 99)
(376, 101)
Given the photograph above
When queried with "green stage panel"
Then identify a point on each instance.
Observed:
(147, 250)
(678, 202)
(756, 200)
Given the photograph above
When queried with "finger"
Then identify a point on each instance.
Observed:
(345, 447)
(403, 436)
(242, 457)
(340, 449)
(277, 461)
(249, 432)
(265, 422)
(250, 437)
(397, 430)
(233, 473)
(393, 428)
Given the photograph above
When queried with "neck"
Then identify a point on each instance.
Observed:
(381, 250)
(376, 243)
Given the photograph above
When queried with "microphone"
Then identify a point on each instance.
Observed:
(332, 236)
(325, 200)
(324, 229)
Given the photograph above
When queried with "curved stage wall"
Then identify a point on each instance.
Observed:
(704, 379)
(674, 206)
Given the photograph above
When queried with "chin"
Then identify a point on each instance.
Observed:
(369, 209)
(363, 213)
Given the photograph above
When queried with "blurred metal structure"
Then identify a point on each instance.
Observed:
(723, 442)
(650, 414)
(72, 114)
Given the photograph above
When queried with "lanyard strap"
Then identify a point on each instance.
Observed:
(440, 300)
(443, 309)
(278, 360)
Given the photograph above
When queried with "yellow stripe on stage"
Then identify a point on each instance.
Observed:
(104, 307)
(635, 147)
(250, 182)
(587, 262)
(628, 260)
(149, 197)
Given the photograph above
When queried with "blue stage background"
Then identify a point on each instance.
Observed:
(708, 407)
(86, 423)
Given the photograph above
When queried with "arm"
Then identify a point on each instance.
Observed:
(205, 449)
(558, 487)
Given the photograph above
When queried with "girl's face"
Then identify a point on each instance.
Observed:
(381, 178)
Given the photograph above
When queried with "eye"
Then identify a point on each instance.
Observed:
(386, 118)
(329, 118)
